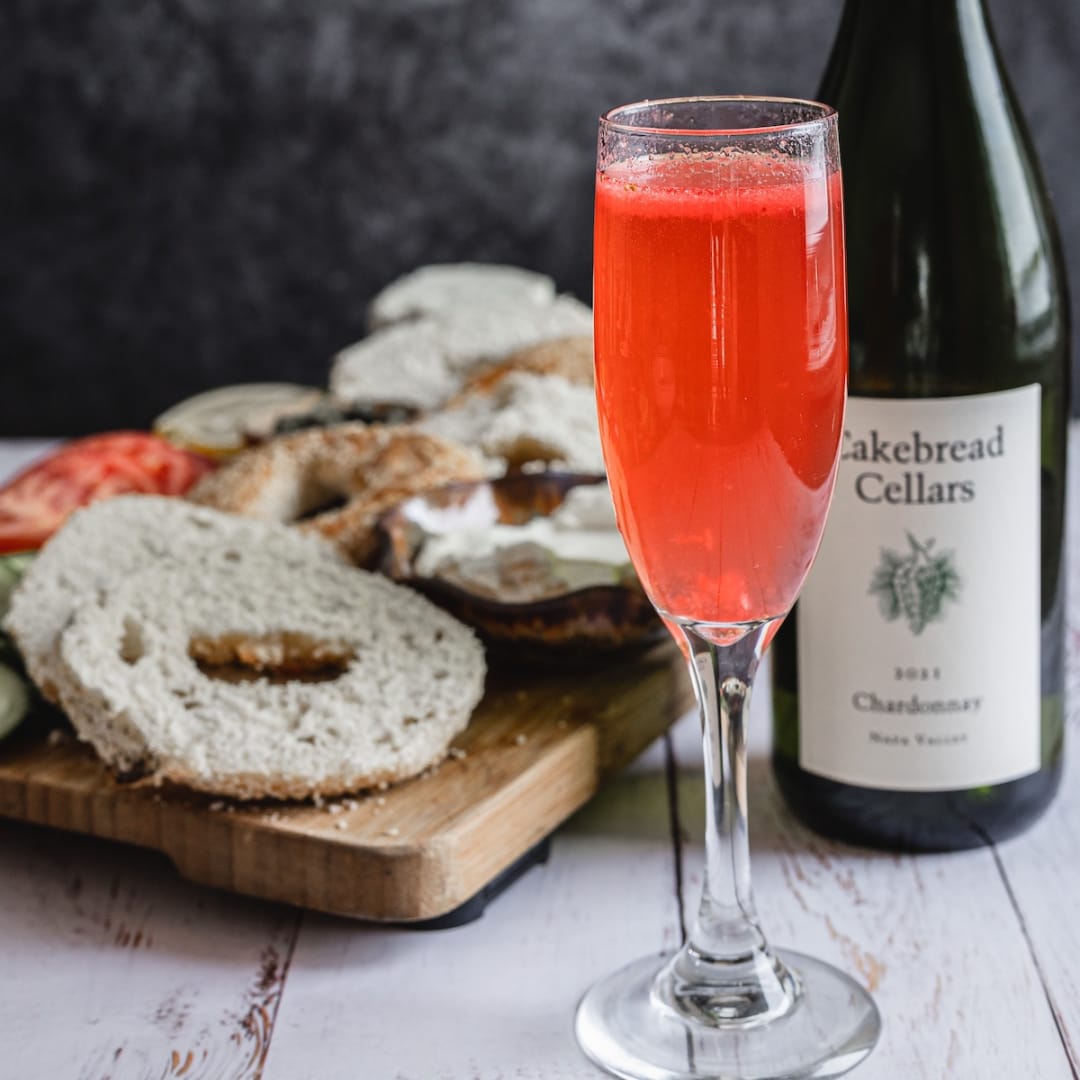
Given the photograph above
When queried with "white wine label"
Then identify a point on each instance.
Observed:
(918, 627)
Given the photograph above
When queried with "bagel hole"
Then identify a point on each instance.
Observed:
(132, 643)
(280, 657)
(321, 501)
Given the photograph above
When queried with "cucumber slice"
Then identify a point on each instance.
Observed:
(14, 700)
(12, 568)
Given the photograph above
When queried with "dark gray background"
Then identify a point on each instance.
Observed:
(198, 191)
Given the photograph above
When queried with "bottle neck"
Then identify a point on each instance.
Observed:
(930, 57)
(912, 18)
(915, 33)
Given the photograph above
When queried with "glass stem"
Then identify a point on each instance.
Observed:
(727, 924)
(726, 971)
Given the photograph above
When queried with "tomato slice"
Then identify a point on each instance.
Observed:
(38, 501)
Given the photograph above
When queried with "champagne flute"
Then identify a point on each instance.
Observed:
(721, 363)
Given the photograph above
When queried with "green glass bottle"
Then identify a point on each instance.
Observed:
(918, 686)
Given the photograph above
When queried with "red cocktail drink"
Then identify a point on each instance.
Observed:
(721, 353)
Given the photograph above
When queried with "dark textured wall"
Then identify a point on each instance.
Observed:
(196, 191)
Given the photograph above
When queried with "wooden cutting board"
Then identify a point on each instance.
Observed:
(536, 750)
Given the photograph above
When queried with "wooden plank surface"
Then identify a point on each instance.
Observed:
(1042, 867)
(112, 967)
(935, 938)
(1040, 871)
(495, 999)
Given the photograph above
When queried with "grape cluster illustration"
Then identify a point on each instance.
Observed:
(915, 585)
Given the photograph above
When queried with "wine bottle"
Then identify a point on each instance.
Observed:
(918, 686)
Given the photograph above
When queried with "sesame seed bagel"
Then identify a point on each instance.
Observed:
(336, 481)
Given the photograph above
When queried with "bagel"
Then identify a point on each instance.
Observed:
(109, 540)
(446, 288)
(336, 481)
(347, 679)
(571, 357)
(522, 419)
(425, 362)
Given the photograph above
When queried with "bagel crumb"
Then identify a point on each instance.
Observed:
(351, 804)
(392, 831)
(457, 753)
(380, 800)
(216, 805)
(341, 824)
(335, 808)
(521, 738)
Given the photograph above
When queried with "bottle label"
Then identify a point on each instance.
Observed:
(919, 623)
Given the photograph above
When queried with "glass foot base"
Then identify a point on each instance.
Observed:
(831, 1026)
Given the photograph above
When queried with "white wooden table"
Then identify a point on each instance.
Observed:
(113, 967)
